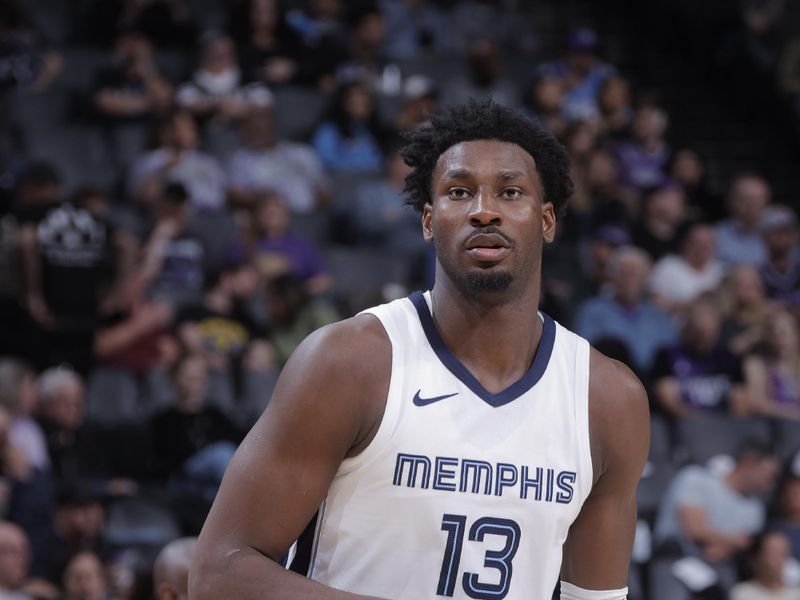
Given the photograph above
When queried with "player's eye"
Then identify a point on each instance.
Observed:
(511, 193)
(458, 193)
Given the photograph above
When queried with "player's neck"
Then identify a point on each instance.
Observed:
(495, 341)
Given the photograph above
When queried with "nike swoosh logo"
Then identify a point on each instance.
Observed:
(425, 401)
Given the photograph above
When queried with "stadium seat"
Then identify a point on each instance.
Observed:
(34, 111)
(140, 522)
(706, 436)
(314, 226)
(355, 270)
(175, 65)
(660, 440)
(654, 482)
(220, 391)
(81, 65)
(215, 230)
(662, 584)
(787, 438)
(297, 111)
(255, 395)
(112, 396)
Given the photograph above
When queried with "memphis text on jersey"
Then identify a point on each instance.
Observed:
(468, 476)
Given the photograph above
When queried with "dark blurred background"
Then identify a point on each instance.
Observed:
(188, 188)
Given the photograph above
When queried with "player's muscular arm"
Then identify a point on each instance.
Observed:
(598, 548)
(326, 406)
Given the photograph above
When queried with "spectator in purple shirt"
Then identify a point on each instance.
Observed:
(698, 373)
(276, 250)
(643, 158)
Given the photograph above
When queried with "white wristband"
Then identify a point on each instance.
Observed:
(573, 592)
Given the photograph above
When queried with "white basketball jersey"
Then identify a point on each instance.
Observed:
(462, 493)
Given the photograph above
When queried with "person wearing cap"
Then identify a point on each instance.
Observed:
(583, 73)
(420, 101)
(781, 269)
(623, 314)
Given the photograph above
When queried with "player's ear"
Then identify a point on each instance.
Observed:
(548, 222)
(427, 232)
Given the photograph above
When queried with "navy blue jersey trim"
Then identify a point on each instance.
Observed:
(457, 368)
(305, 544)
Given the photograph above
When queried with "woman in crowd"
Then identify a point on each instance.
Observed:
(85, 578)
(773, 376)
(745, 308)
(349, 139)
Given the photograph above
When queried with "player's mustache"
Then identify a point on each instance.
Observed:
(489, 229)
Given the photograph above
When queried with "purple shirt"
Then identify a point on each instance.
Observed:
(303, 258)
(705, 380)
(640, 169)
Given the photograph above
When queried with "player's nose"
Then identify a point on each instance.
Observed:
(484, 210)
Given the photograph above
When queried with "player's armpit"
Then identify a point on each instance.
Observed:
(329, 397)
(598, 548)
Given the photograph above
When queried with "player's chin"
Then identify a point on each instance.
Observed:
(488, 280)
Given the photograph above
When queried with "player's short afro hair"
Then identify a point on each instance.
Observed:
(485, 120)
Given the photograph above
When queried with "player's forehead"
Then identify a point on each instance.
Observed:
(485, 159)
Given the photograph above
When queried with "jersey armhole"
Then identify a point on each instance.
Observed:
(582, 374)
(391, 409)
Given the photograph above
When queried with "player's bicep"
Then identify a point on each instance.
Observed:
(283, 468)
(598, 547)
(597, 550)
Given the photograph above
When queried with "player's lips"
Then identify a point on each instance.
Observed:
(488, 247)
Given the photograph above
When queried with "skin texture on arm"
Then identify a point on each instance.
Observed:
(327, 406)
(598, 548)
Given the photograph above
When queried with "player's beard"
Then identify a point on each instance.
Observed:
(488, 282)
(489, 286)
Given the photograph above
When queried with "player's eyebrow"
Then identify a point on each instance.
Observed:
(457, 174)
(507, 175)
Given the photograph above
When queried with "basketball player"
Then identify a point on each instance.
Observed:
(454, 444)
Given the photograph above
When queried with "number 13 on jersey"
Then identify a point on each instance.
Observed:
(455, 526)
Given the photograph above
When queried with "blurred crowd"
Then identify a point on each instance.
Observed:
(188, 188)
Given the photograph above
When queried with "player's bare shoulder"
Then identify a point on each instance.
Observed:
(356, 343)
(344, 367)
(619, 416)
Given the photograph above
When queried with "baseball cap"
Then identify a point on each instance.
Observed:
(778, 216)
(582, 39)
(419, 86)
(612, 235)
